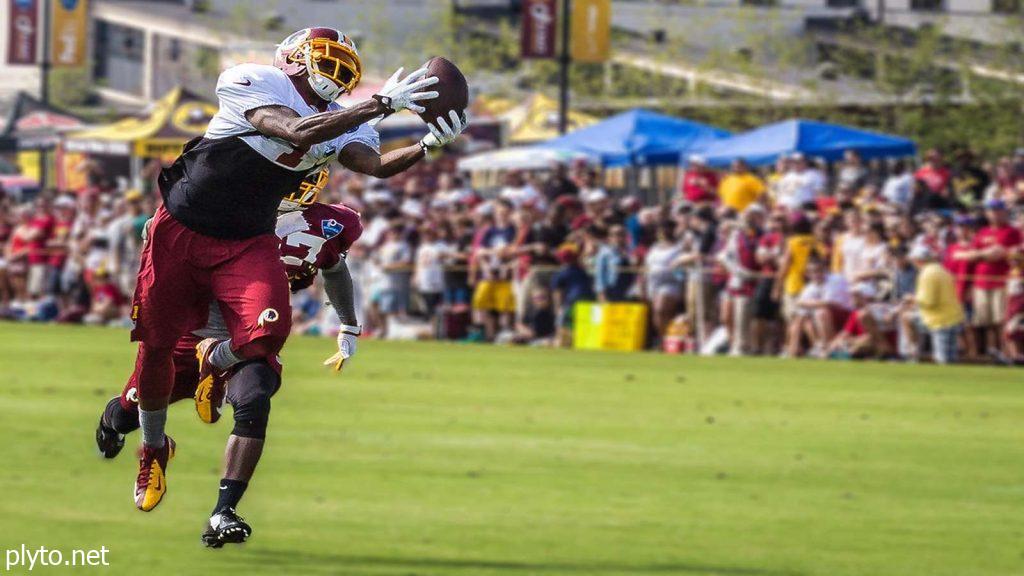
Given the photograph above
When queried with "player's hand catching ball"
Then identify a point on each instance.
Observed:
(347, 338)
(403, 93)
(444, 134)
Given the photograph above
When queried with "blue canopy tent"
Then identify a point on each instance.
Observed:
(764, 145)
(638, 138)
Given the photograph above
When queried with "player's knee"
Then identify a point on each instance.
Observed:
(249, 392)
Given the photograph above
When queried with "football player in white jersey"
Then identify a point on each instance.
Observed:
(213, 239)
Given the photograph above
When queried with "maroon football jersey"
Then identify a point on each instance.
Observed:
(316, 238)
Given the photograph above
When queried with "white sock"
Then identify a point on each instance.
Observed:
(152, 423)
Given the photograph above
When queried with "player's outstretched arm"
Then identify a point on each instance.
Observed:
(365, 160)
(305, 131)
(397, 94)
(338, 285)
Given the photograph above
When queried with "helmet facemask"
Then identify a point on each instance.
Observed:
(308, 192)
(331, 67)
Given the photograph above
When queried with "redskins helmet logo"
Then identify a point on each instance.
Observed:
(267, 316)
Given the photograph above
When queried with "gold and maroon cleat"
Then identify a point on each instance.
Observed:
(151, 483)
(209, 394)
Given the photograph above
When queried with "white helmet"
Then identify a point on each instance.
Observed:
(328, 57)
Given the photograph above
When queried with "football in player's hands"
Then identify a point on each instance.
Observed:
(401, 93)
(452, 88)
(444, 130)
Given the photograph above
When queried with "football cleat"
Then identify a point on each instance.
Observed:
(209, 394)
(225, 527)
(151, 483)
(108, 441)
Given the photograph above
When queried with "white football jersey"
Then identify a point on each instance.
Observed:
(248, 86)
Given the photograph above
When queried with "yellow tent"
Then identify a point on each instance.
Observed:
(534, 120)
(161, 132)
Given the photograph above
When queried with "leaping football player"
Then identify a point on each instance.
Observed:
(213, 239)
(314, 238)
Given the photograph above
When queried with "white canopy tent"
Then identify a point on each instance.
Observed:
(527, 158)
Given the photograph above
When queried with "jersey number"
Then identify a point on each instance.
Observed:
(292, 159)
(301, 239)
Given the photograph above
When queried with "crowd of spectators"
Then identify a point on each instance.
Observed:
(879, 259)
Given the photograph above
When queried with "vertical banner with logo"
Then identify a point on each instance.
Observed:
(591, 30)
(23, 32)
(539, 28)
(70, 23)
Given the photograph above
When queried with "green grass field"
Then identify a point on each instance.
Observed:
(470, 460)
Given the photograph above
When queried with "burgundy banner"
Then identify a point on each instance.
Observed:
(23, 32)
(539, 28)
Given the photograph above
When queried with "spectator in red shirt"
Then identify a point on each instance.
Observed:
(934, 174)
(107, 300)
(700, 183)
(59, 242)
(868, 331)
(964, 229)
(990, 253)
(1013, 331)
(739, 259)
(40, 232)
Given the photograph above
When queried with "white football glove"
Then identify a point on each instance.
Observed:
(347, 338)
(443, 134)
(400, 94)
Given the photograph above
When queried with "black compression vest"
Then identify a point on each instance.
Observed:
(225, 189)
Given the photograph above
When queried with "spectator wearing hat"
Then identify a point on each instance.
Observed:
(699, 183)
(991, 250)
(938, 310)
(869, 331)
(740, 187)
